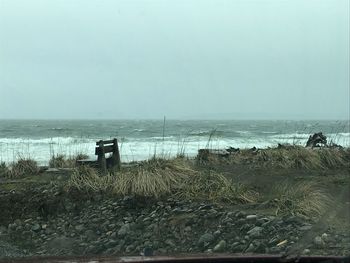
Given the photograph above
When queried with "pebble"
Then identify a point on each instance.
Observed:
(306, 251)
(79, 228)
(325, 237)
(186, 229)
(123, 231)
(305, 228)
(205, 239)
(255, 232)
(220, 247)
(250, 248)
(318, 242)
(251, 217)
(36, 227)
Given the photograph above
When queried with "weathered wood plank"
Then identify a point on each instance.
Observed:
(107, 149)
(106, 142)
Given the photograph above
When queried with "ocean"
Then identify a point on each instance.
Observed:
(142, 139)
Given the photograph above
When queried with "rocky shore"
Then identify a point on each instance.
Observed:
(128, 226)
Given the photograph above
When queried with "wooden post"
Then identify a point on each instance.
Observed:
(101, 159)
(116, 163)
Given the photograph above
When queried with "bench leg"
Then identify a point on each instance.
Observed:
(102, 159)
(116, 163)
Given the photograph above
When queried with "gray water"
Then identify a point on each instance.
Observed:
(141, 139)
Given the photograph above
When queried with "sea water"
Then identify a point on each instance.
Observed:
(142, 139)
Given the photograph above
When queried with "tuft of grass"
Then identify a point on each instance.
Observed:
(158, 178)
(305, 199)
(334, 157)
(87, 179)
(61, 161)
(57, 161)
(23, 167)
(214, 187)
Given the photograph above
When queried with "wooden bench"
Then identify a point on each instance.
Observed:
(111, 163)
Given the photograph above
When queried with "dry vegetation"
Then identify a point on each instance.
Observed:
(3, 169)
(23, 167)
(288, 157)
(62, 161)
(305, 199)
(160, 178)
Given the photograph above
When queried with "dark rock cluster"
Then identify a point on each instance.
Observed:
(129, 227)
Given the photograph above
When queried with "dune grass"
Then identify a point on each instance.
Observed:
(305, 199)
(62, 161)
(87, 179)
(158, 178)
(23, 167)
(293, 156)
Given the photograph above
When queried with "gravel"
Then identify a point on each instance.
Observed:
(131, 227)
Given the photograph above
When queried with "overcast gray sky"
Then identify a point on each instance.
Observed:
(262, 59)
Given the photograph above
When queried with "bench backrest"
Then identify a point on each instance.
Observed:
(108, 146)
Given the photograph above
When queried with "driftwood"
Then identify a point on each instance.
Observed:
(232, 150)
(203, 154)
(316, 140)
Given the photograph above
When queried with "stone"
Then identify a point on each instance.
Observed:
(306, 251)
(325, 237)
(240, 214)
(255, 232)
(251, 217)
(170, 243)
(90, 235)
(187, 229)
(52, 170)
(147, 252)
(205, 239)
(111, 243)
(12, 226)
(124, 230)
(220, 247)
(305, 228)
(36, 227)
(217, 233)
(318, 242)
(129, 248)
(250, 248)
(79, 228)
(3, 229)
